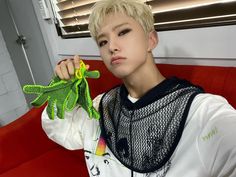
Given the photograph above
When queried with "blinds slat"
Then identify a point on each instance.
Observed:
(65, 5)
(74, 28)
(81, 10)
(75, 20)
(61, 0)
(196, 23)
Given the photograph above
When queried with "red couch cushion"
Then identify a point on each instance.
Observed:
(214, 79)
(55, 163)
(23, 140)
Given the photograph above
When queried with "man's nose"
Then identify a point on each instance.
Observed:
(113, 46)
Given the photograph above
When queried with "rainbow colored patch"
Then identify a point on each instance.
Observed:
(101, 146)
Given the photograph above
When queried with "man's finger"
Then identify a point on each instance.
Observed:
(64, 71)
(77, 61)
(71, 67)
(58, 72)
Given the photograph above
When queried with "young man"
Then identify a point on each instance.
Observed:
(150, 125)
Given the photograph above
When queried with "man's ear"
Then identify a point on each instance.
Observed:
(152, 40)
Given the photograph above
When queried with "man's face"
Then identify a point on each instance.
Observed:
(123, 44)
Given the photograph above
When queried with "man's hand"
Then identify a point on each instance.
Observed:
(65, 69)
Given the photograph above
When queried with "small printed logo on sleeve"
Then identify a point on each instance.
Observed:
(213, 132)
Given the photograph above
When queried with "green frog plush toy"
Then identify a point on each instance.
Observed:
(64, 95)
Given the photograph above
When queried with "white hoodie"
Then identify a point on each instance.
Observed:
(207, 147)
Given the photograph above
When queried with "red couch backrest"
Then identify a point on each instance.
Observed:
(214, 79)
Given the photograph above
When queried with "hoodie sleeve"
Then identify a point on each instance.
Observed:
(217, 142)
(71, 131)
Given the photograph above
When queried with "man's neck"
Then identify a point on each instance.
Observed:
(141, 82)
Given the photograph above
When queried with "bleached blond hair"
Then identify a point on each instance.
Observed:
(136, 9)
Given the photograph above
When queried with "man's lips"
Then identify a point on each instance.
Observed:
(116, 59)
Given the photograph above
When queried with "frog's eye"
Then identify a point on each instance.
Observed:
(82, 65)
(78, 74)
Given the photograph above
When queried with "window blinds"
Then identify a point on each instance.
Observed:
(72, 15)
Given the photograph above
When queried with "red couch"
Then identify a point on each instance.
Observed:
(25, 150)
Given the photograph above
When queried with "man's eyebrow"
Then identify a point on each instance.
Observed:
(113, 29)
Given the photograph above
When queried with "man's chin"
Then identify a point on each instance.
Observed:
(120, 74)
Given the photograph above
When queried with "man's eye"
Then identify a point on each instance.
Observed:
(102, 43)
(87, 157)
(123, 32)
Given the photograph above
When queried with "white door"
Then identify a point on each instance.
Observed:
(36, 58)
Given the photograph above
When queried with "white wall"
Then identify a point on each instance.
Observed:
(200, 46)
(12, 100)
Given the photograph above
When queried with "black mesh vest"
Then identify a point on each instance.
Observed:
(143, 135)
